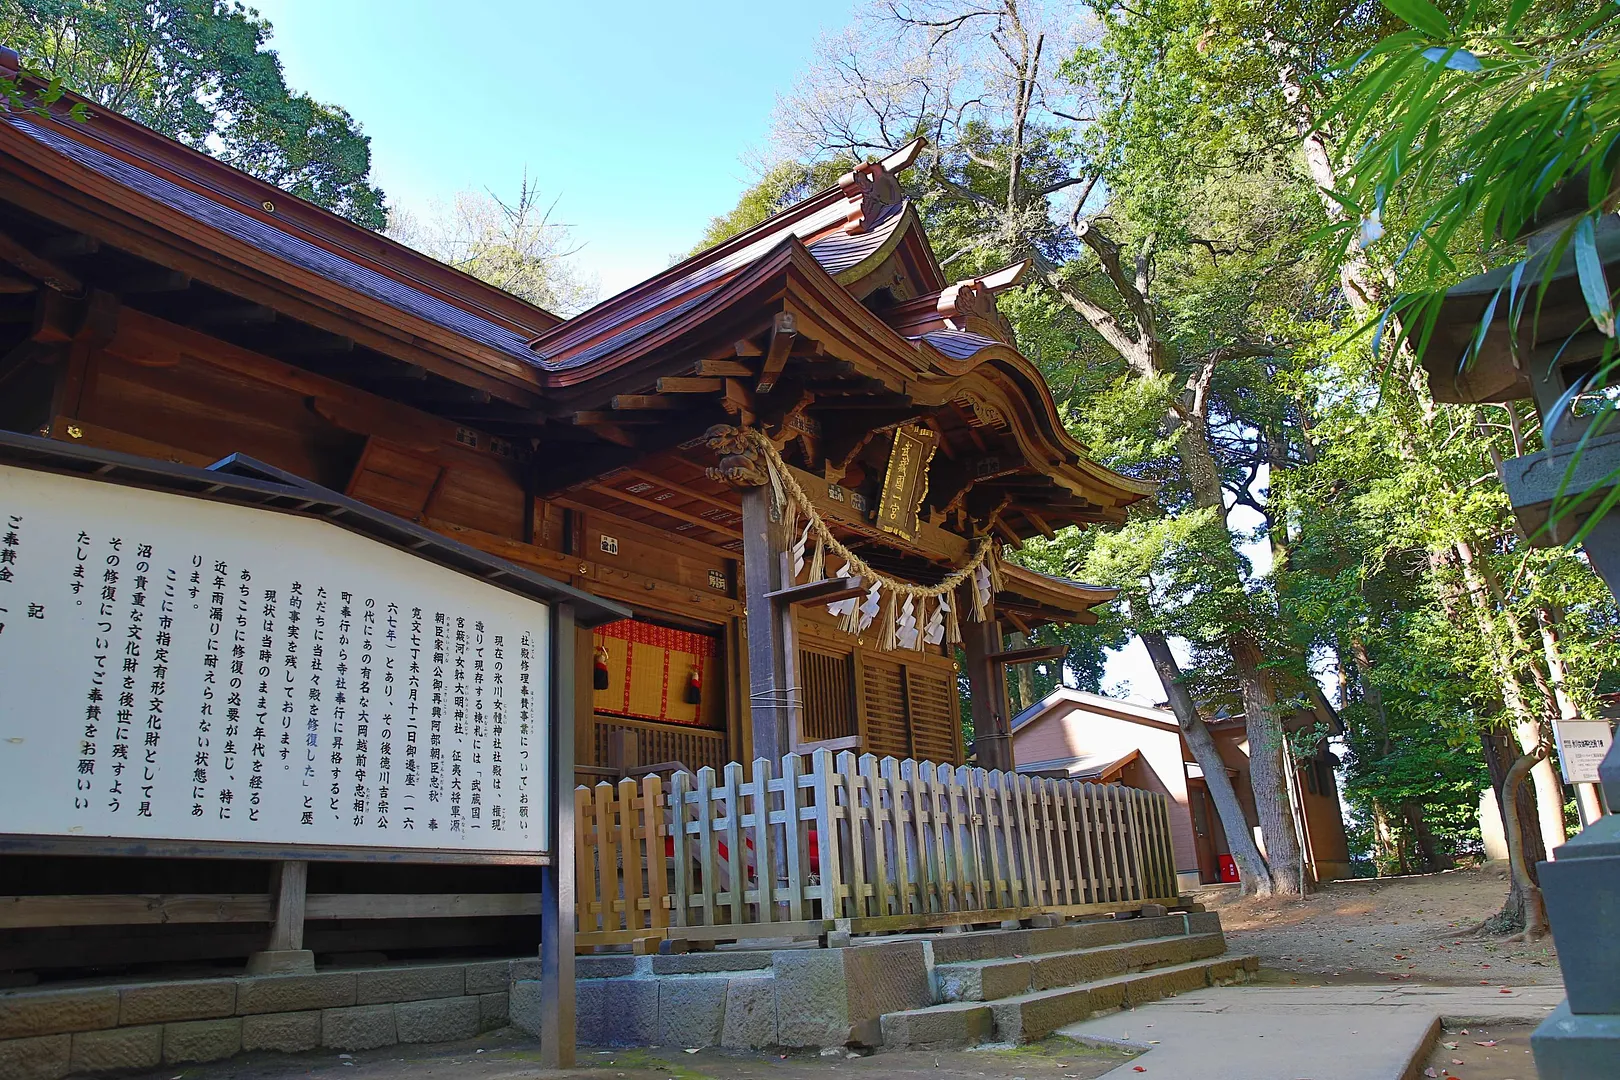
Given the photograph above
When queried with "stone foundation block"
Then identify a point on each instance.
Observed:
(201, 1040)
(409, 984)
(281, 962)
(432, 1021)
(33, 1012)
(984, 982)
(287, 1033)
(615, 1012)
(1153, 911)
(964, 1025)
(159, 1003)
(587, 967)
(750, 1021)
(295, 993)
(364, 1027)
(887, 978)
(119, 1048)
(492, 1010)
(43, 1057)
(523, 1009)
(494, 977)
(812, 997)
(691, 1010)
(711, 962)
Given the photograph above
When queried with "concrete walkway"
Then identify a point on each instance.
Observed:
(1303, 1033)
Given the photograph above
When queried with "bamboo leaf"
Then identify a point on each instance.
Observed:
(1421, 14)
(1594, 285)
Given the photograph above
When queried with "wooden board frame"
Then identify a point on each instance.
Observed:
(247, 482)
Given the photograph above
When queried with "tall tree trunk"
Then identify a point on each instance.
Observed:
(1531, 724)
(1526, 893)
(1269, 757)
(1268, 750)
(1387, 840)
(1429, 856)
(1252, 869)
(1023, 675)
(1501, 751)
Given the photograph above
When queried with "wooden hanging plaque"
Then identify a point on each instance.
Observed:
(906, 482)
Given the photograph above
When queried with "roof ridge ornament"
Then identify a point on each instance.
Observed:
(970, 303)
(872, 189)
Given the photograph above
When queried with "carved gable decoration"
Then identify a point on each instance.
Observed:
(968, 305)
(980, 413)
(872, 189)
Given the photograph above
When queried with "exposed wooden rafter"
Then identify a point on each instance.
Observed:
(784, 332)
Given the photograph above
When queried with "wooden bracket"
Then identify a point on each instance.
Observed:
(784, 331)
(1029, 655)
(825, 591)
(723, 369)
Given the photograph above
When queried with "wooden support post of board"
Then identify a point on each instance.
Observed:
(557, 898)
(992, 736)
(284, 953)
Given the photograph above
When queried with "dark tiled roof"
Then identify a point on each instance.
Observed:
(283, 245)
(840, 251)
(581, 340)
(957, 344)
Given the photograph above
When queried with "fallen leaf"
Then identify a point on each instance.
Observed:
(693, 1051)
(1458, 1061)
(1487, 1042)
(1430, 1072)
(1139, 1068)
(1449, 1046)
(1504, 990)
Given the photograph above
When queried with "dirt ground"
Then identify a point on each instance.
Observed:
(510, 1056)
(1409, 929)
(1492, 1052)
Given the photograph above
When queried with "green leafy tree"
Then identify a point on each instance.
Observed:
(200, 72)
(514, 245)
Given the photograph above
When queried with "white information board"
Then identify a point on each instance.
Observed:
(1582, 745)
(180, 669)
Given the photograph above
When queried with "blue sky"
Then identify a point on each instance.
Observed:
(637, 114)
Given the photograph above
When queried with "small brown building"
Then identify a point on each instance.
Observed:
(1091, 737)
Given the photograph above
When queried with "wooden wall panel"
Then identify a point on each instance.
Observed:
(884, 700)
(933, 712)
(642, 549)
(830, 708)
(207, 410)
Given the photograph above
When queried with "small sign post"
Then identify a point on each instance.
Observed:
(1581, 747)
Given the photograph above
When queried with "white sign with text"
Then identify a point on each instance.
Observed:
(1582, 745)
(181, 669)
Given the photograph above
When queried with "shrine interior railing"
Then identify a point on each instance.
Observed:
(846, 843)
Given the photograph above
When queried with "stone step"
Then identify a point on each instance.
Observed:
(989, 980)
(1025, 1017)
(1005, 944)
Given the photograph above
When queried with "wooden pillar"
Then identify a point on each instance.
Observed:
(772, 699)
(987, 692)
(284, 953)
(557, 913)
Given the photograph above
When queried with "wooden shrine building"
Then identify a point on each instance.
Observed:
(814, 385)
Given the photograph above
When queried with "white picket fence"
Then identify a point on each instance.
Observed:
(859, 844)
